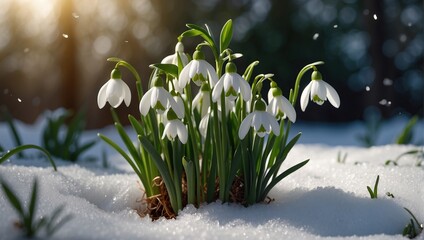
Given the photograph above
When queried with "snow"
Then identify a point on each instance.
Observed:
(324, 200)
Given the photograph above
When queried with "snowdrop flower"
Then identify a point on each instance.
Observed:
(232, 84)
(174, 127)
(173, 59)
(278, 105)
(197, 70)
(202, 100)
(159, 99)
(114, 91)
(261, 121)
(319, 91)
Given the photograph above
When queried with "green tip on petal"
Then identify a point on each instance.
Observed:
(157, 81)
(198, 55)
(205, 87)
(316, 76)
(230, 68)
(115, 74)
(259, 105)
(171, 115)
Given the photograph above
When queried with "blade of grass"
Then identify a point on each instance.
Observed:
(16, 150)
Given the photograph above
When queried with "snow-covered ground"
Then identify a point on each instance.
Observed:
(325, 199)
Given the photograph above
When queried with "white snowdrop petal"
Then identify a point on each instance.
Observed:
(228, 81)
(168, 59)
(321, 90)
(184, 77)
(304, 98)
(332, 95)
(101, 96)
(256, 120)
(213, 78)
(178, 109)
(197, 100)
(203, 125)
(202, 69)
(217, 90)
(245, 126)
(270, 96)
(145, 103)
(288, 109)
(245, 90)
(181, 131)
(127, 94)
(194, 68)
(184, 59)
(165, 131)
(275, 127)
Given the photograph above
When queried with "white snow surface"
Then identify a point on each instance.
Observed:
(323, 200)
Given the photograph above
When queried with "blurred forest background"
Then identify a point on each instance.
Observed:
(53, 52)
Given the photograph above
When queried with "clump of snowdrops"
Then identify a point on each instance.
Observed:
(205, 132)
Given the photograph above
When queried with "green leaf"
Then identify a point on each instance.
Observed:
(405, 136)
(127, 141)
(13, 199)
(33, 201)
(136, 125)
(190, 33)
(204, 34)
(191, 184)
(12, 128)
(51, 228)
(122, 152)
(170, 69)
(371, 192)
(376, 185)
(249, 70)
(281, 177)
(161, 166)
(226, 35)
(16, 150)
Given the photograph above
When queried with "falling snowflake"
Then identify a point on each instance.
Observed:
(367, 88)
(315, 37)
(65, 35)
(387, 82)
(375, 16)
(385, 102)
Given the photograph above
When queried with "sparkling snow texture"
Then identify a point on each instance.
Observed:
(322, 200)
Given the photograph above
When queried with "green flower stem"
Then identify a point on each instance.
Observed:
(120, 62)
(293, 98)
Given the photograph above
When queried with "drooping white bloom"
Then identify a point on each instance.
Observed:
(319, 91)
(159, 99)
(278, 105)
(202, 100)
(197, 70)
(232, 84)
(174, 127)
(262, 122)
(173, 58)
(114, 91)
